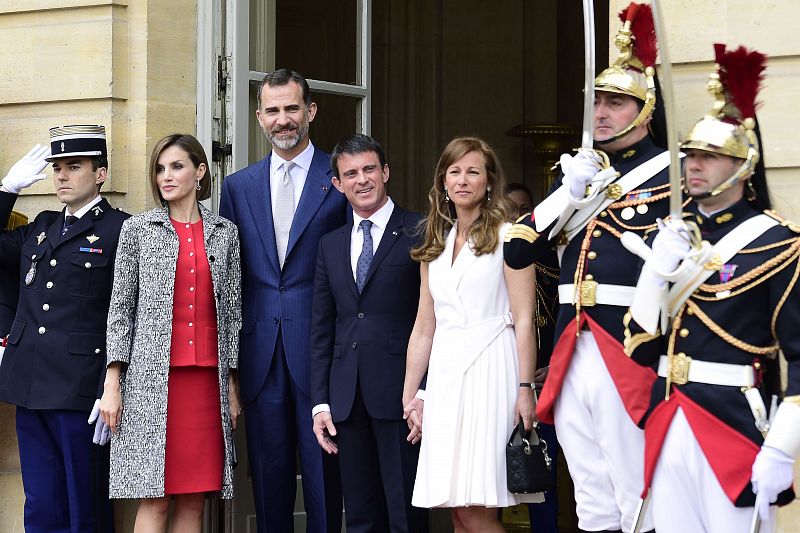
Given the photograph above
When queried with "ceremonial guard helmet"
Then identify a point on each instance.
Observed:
(730, 127)
(633, 73)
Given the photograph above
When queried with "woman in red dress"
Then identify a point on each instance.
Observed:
(173, 330)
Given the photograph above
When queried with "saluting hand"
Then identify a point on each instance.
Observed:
(27, 170)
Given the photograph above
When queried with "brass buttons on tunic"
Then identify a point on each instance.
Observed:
(592, 255)
(684, 332)
(596, 233)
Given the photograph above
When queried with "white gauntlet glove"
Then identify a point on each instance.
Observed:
(579, 171)
(27, 170)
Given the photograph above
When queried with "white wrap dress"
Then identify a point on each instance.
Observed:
(472, 385)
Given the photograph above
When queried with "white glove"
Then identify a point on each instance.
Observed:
(27, 170)
(101, 430)
(773, 472)
(579, 171)
(670, 248)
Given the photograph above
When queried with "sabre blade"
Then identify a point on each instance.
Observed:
(587, 138)
(675, 197)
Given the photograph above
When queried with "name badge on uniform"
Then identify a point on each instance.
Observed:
(31, 275)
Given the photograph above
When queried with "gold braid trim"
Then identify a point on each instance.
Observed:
(727, 337)
(609, 228)
(767, 246)
(579, 270)
(773, 324)
(547, 271)
(521, 231)
(631, 342)
(757, 276)
(676, 324)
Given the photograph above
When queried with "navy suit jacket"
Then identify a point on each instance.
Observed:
(362, 338)
(272, 298)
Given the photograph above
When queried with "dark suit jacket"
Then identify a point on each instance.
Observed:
(56, 353)
(271, 298)
(362, 338)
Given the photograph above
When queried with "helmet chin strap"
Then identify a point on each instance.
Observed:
(644, 114)
(744, 172)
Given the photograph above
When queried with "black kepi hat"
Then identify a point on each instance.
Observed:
(82, 140)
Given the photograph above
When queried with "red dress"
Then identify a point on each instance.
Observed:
(195, 448)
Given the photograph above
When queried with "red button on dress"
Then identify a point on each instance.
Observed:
(195, 450)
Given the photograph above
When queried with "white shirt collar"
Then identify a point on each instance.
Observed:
(379, 218)
(85, 209)
(303, 159)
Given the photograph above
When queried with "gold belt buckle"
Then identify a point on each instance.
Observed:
(679, 369)
(588, 293)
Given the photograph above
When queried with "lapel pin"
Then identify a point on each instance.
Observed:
(40, 238)
(394, 233)
(324, 187)
(92, 238)
(97, 210)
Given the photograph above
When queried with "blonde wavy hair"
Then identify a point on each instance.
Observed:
(483, 233)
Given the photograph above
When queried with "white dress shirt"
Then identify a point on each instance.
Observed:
(83, 210)
(380, 219)
(298, 172)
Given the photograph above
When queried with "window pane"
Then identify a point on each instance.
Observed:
(318, 38)
(336, 118)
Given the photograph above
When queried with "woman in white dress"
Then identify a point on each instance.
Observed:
(474, 337)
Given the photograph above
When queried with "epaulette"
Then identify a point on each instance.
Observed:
(793, 226)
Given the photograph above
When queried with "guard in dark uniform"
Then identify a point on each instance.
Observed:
(9, 283)
(593, 392)
(55, 356)
(734, 302)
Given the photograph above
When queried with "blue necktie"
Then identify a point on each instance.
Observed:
(364, 260)
(69, 220)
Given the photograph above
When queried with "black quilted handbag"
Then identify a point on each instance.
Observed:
(528, 466)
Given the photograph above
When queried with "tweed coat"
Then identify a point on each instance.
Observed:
(139, 336)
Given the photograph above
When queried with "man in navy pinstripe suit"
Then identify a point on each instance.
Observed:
(282, 205)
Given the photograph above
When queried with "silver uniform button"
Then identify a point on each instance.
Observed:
(46, 307)
(53, 262)
(87, 264)
(42, 330)
(97, 350)
(49, 285)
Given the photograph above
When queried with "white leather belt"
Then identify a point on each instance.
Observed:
(604, 294)
(707, 372)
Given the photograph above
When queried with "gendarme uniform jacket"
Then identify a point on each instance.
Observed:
(596, 258)
(56, 353)
(745, 311)
(140, 335)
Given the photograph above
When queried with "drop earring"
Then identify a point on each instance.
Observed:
(446, 196)
(197, 186)
(488, 194)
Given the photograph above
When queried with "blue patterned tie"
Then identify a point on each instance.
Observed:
(362, 266)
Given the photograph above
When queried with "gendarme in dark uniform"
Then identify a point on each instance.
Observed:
(55, 358)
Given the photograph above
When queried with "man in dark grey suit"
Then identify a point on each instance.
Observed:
(366, 292)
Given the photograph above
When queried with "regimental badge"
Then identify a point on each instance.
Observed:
(97, 210)
(40, 238)
(62, 146)
(614, 191)
(629, 153)
(92, 238)
(726, 217)
(726, 272)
